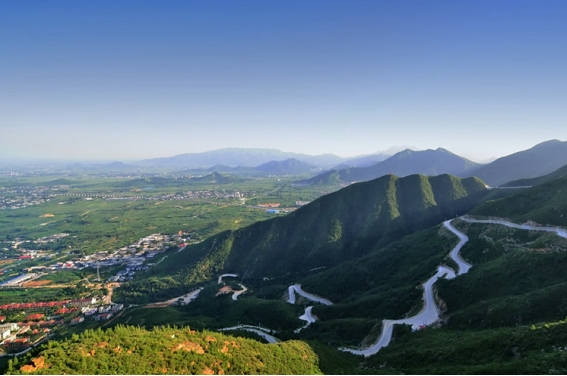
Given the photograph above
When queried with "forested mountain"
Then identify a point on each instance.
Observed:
(539, 160)
(234, 157)
(368, 248)
(332, 229)
(545, 204)
(407, 162)
(540, 179)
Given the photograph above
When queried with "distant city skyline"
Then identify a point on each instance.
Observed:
(132, 80)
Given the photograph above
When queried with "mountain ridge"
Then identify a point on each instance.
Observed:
(407, 162)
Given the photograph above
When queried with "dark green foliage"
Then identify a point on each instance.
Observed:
(518, 277)
(544, 204)
(518, 350)
(335, 228)
(169, 350)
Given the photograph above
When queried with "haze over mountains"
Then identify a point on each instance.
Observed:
(542, 159)
(234, 157)
(404, 163)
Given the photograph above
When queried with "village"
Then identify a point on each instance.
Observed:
(22, 325)
(23, 196)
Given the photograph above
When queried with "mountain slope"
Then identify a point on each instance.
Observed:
(545, 204)
(233, 157)
(407, 162)
(539, 180)
(540, 160)
(337, 227)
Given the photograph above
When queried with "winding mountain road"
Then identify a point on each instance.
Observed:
(226, 275)
(307, 316)
(430, 313)
(454, 254)
(255, 329)
(297, 289)
(557, 230)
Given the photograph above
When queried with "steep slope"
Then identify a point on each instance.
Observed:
(540, 160)
(407, 162)
(335, 228)
(239, 157)
(540, 179)
(545, 204)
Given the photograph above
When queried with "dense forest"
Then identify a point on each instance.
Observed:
(166, 350)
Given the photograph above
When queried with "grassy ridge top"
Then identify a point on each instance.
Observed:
(167, 350)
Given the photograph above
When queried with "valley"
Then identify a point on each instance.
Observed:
(350, 272)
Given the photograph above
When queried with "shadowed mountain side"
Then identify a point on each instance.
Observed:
(407, 162)
(540, 160)
(545, 204)
(539, 180)
(332, 229)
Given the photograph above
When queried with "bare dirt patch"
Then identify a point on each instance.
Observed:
(37, 283)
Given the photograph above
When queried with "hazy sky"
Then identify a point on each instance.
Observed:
(125, 80)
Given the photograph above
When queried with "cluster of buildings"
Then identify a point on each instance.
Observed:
(24, 196)
(16, 336)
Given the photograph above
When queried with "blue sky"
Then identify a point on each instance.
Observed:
(123, 80)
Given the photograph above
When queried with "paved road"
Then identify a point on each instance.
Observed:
(297, 289)
(236, 293)
(226, 275)
(557, 230)
(430, 313)
(427, 316)
(256, 329)
(463, 265)
(307, 316)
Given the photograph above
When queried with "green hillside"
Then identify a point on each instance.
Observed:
(540, 179)
(545, 204)
(166, 350)
(335, 228)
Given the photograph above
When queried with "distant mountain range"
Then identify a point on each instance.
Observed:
(289, 166)
(540, 160)
(234, 157)
(404, 163)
